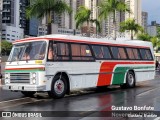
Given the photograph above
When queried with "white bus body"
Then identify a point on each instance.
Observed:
(76, 64)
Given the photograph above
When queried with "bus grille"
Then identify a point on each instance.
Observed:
(19, 77)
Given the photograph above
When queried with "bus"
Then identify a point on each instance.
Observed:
(59, 64)
(157, 60)
(157, 56)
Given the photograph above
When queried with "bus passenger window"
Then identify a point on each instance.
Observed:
(122, 53)
(143, 54)
(130, 53)
(115, 52)
(106, 52)
(50, 53)
(98, 51)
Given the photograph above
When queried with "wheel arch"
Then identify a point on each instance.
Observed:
(66, 75)
(132, 70)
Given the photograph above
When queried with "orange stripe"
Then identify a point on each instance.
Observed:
(105, 79)
(41, 68)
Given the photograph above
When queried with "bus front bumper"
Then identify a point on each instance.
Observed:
(24, 87)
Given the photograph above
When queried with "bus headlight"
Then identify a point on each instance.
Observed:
(6, 81)
(34, 81)
(7, 77)
(34, 75)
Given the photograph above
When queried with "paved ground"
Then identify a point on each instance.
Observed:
(86, 105)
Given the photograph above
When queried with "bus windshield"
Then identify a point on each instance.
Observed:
(28, 51)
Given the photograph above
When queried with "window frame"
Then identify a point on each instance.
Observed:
(127, 58)
(111, 57)
(91, 50)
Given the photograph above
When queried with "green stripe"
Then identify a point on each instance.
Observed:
(119, 73)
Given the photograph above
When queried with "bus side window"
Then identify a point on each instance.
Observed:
(106, 52)
(81, 52)
(143, 54)
(122, 53)
(62, 51)
(51, 52)
(98, 51)
(136, 53)
(115, 52)
(130, 53)
(149, 55)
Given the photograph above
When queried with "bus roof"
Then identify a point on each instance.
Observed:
(72, 38)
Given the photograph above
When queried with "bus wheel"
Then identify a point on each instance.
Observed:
(130, 80)
(28, 93)
(58, 87)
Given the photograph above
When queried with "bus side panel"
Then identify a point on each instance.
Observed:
(84, 74)
(114, 73)
(144, 74)
(105, 75)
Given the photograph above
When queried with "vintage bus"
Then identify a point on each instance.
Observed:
(157, 56)
(58, 64)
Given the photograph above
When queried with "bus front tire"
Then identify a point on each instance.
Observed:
(28, 93)
(58, 87)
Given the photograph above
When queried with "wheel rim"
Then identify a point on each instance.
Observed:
(130, 79)
(59, 86)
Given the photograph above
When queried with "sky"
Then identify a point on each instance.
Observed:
(153, 9)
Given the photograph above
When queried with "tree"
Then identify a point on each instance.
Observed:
(110, 7)
(155, 40)
(130, 25)
(158, 32)
(44, 8)
(144, 37)
(5, 47)
(156, 43)
(82, 16)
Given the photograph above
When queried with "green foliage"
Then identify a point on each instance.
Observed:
(144, 37)
(44, 8)
(109, 7)
(132, 26)
(155, 40)
(84, 15)
(156, 43)
(5, 47)
(158, 32)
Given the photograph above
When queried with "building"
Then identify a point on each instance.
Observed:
(152, 29)
(135, 7)
(136, 10)
(136, 13)
(67, 22)
(11, 33)
(14, 20)
(145, 21)
(1, 7)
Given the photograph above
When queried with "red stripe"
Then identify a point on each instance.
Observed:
(76, 41)
(105, 79)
